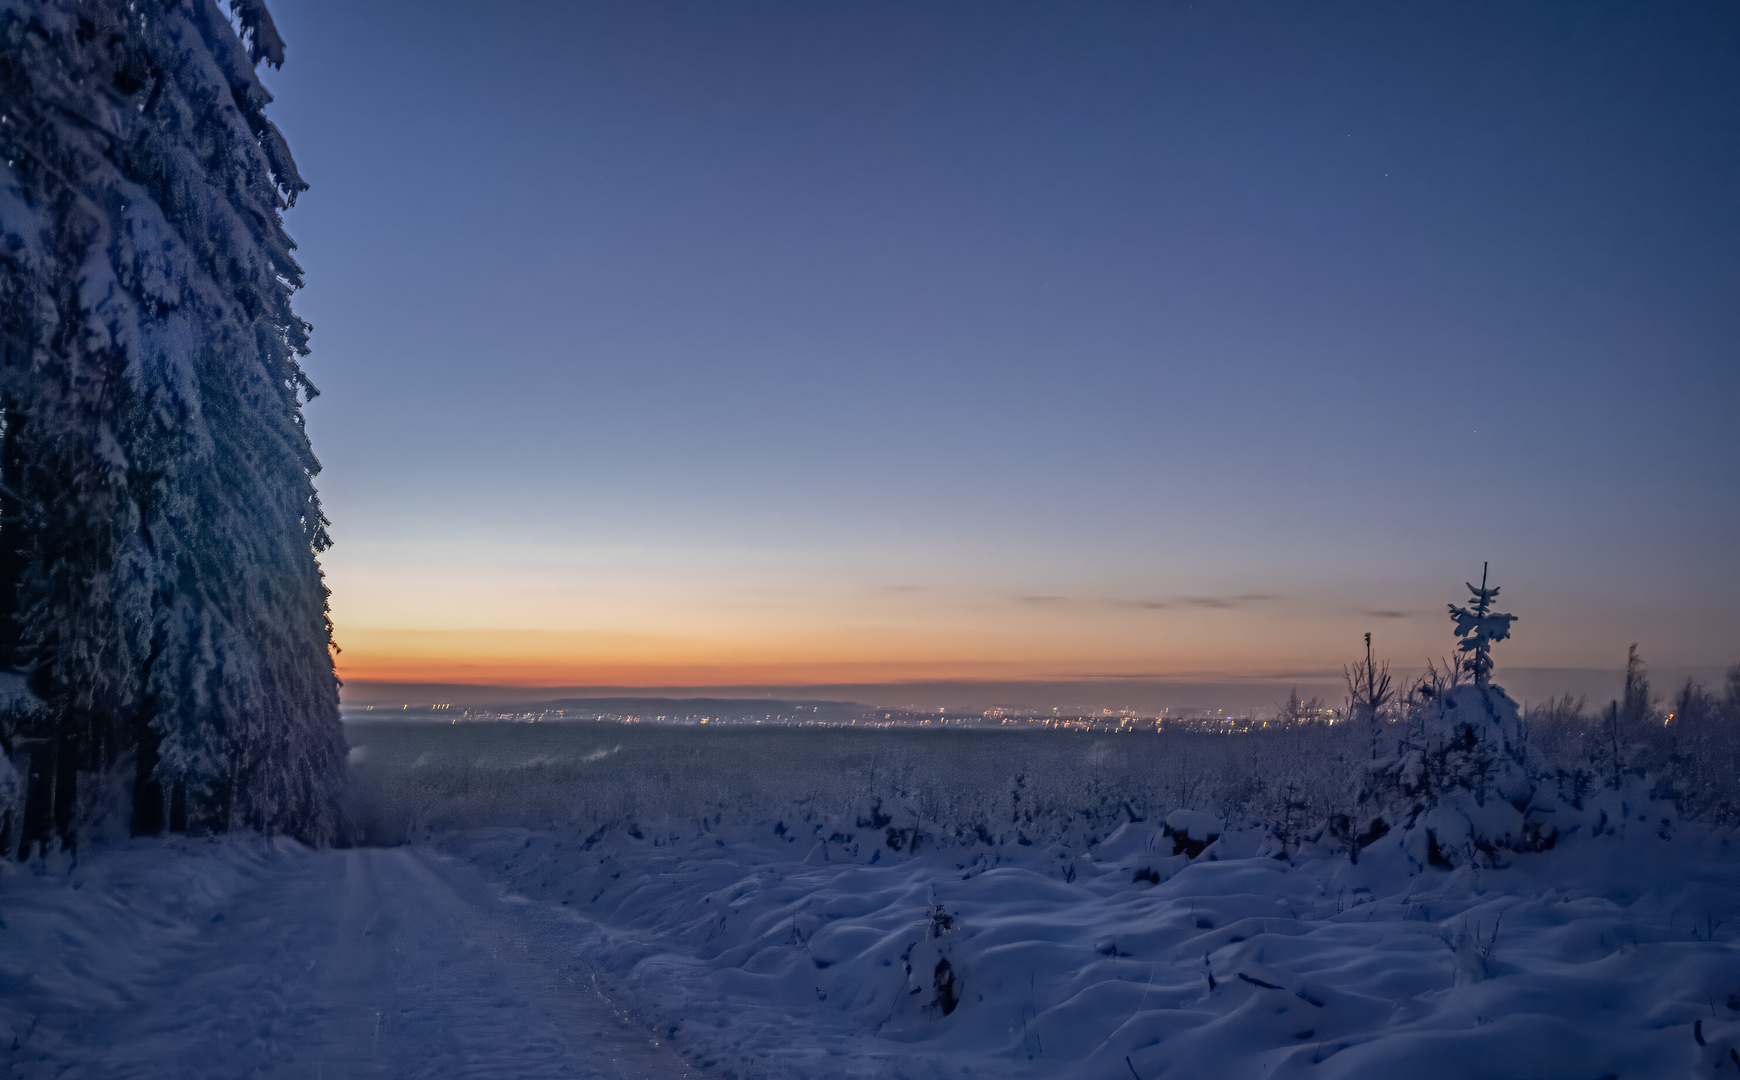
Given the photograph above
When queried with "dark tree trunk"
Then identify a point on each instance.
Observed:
(11, 529)
(36, 829)
(148, 801)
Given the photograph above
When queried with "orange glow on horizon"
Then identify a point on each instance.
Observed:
(688, 634)
(863, 656)
(576, 658)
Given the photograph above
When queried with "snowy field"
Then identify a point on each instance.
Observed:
(605, 900)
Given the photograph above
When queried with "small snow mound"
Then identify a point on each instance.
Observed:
(1192, 831)
(1133, 840)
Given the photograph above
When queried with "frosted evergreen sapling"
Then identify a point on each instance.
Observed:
(1458, 789)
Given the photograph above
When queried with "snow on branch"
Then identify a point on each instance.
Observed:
(1478, 626)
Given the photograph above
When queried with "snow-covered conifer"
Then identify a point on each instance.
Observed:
(1459, 787)
(161, 526)
(1479, 626)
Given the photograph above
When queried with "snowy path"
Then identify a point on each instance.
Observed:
(365, 963)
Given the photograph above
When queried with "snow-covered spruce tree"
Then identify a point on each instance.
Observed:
(158, 522)
(1478, 627)
(1458, 788)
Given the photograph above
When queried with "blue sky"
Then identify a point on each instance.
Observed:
(1016, 339)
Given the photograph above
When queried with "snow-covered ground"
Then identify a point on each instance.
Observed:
(814, 950)
(228, 959)
(797, 956)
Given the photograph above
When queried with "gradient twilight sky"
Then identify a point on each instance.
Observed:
(739, 342)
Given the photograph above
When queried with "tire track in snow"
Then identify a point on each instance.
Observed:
(522, 942)
(333, 965)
